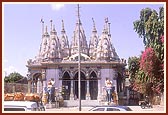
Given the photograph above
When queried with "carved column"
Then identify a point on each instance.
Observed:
(71, 93)
(99, 86)
(87, 86)
(29, 81)
(60, 75)
(39, 86)
(29, 86)
(115, 79)
(44, 79)
(115, 85)
(88, 93)
(44, 98)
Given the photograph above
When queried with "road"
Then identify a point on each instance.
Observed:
(155, 109)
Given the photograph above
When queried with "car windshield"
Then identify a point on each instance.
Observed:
(99, 109)
(128, 109)
(14, 109)
(112, 109)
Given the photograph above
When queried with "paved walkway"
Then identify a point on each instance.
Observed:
(155, 109)
(66, 109)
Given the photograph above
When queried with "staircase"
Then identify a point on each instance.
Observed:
(85, 103)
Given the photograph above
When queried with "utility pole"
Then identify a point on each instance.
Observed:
(79, 63)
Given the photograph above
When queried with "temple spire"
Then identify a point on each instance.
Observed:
(104, 29)
(79, 34)
(42, 21)
(78, 16)
(106, 25)
(51, 25)
(46, 30)
(63, 30)
(94, 27)
(109, 29)
(106, 20)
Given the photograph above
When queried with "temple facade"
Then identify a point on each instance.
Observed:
(57, 59)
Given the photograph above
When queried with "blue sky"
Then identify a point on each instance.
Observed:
(22, 28)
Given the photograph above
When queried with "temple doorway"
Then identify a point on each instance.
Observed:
(119, 83)
(93, 86)
(83, 86)
(36, 83)
(66, 86)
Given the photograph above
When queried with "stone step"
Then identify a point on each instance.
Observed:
(107, 103)
(75, 103)
(84, 103)
(52, 105)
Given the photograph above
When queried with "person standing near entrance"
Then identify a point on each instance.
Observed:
(51, 91)
(108, 87)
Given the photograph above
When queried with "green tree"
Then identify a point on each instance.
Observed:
(133, 66)
(6, 79)
(150, 27)
(137, 77)
(13, 77)
(139, 25)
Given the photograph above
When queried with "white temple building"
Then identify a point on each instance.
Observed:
(58, 59)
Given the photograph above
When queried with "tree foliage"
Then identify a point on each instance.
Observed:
(133, 66)
(149, 69)
(13, 77)
(149, 63)
(150, 26)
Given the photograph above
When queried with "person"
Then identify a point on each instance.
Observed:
(108, 85)
(106, 88)
(52, 81)
(49, 85)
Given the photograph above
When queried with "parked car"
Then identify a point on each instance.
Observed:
(110, 108)
(41, 106)
(23, 106)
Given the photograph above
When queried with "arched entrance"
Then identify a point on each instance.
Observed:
(119, 83)
(66, 86)
(36, 84)
(93, 86)
(83, 86)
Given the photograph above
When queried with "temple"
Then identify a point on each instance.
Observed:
(58, 59)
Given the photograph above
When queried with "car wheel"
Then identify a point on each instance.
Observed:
(142, 106)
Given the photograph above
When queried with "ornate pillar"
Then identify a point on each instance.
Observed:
(87, 87)
(44, 97)
(29, 86)
(71, 93)
(39, 91)
(32, 87)
(115, 75)
(29, 81)
(44, 80)
(60, 75)
(88, 93)
(99, 86)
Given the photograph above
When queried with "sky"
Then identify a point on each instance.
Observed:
(22, 29)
